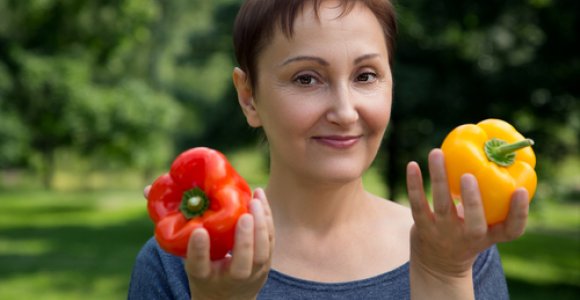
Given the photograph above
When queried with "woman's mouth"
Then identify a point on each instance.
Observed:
(338, 141)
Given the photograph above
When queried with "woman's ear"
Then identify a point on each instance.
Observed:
(246, 97)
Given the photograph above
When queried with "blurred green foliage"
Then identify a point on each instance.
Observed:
(130, 83)
(72, 77)
(463, 62)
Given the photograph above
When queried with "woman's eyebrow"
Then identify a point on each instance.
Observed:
(323, 62)
(361, 58)
(318, 60)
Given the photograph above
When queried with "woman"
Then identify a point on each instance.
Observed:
(316, 76)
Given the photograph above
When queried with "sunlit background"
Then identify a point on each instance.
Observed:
(98, 97)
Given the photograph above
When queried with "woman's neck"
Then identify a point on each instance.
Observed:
(300, 203)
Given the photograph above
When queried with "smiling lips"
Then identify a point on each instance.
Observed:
(338, 141)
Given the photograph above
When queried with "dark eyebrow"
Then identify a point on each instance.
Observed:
(323, 62)
(358, 60)
(300, 58)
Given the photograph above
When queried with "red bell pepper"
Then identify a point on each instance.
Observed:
(201, 189)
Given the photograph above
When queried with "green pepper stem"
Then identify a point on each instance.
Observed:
(503, 154)
(194, 203)
(513, 147)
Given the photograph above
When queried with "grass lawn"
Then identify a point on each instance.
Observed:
(545, 262)
(60, 245)
(543, 265)
(82, 245)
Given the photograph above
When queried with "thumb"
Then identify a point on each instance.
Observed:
(146, 191)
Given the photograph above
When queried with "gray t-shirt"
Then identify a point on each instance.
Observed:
(159, 275)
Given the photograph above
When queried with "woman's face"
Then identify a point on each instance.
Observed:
(324, 96)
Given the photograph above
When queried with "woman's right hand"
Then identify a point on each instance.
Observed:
(242, 274)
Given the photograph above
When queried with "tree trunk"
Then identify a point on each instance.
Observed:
(47, 169)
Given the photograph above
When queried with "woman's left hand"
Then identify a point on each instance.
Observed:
(445, 241)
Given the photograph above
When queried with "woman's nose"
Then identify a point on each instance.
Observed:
(343, 110)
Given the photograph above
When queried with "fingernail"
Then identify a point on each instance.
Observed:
(411, 170)
(146, 191)
(436, 154)
(255, 206)
(467, 181)
(522, 192)
(198, 236)
(259, 193)
(246, 222)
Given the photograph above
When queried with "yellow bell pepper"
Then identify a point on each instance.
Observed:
(498, 156)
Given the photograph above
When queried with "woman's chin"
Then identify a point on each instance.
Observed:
(338, 174)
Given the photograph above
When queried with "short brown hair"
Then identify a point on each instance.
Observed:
(257, 19)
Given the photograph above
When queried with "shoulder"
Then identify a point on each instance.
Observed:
(397, 214)
(151, 255)
(391, 226)
(157, 274)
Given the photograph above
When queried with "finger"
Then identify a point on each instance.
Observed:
(442, 203)
(515, 223)
(460, 210)
(475, 223)
(261, 195)
(261, 235)
(146, 191)
(243, 252)
(419, 207)
(197, 263)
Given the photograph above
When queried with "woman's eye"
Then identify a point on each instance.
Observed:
(366, 77)
(305, 80)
